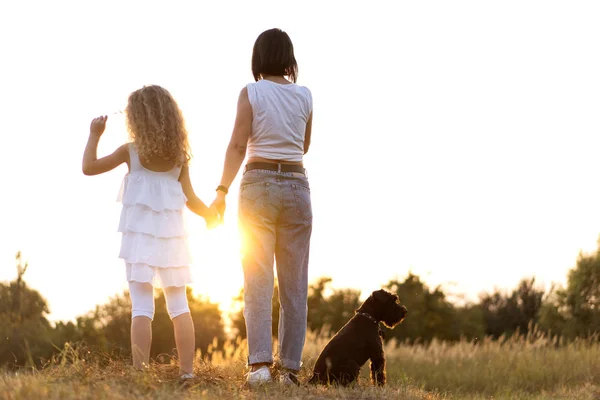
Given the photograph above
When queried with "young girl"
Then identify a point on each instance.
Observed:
(153, 194)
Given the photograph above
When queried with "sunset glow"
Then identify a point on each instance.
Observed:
(457, 140)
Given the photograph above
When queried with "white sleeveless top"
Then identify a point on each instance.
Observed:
(154, 240)
(279, 116)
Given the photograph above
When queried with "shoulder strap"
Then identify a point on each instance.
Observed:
(134, 158)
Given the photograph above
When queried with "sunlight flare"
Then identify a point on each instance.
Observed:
(216, 262)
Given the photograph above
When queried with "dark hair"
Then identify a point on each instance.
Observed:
(273, 54)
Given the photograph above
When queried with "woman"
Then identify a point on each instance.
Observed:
(273, 127)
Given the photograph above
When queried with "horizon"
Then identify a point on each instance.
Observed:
(472, 163)
(455, 298)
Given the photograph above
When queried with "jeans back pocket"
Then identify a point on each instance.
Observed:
(303, 202)
(254, 198)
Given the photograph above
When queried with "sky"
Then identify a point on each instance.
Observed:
(455, 139)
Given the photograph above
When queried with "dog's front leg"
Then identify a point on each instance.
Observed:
(378, 370)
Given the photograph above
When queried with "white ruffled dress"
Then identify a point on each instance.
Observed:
(154, 239)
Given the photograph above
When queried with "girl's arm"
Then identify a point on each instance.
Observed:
(91, 165)
(194, 203)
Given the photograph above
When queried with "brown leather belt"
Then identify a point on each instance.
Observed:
(275, 167)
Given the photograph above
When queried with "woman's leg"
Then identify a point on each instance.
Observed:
(291, 253)
(183, 326)
(142, 313)
(256, 216)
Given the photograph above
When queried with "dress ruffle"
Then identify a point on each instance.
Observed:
(140, 248)
(157, 194)
(159, 277)
(143, 219)
(154, 239)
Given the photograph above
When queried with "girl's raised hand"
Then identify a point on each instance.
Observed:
(97, 126)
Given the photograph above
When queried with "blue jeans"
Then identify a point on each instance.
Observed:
(275, 218)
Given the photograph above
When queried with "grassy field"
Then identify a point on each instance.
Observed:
(523, 368)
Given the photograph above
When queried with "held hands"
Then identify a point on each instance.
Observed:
(215, 214)
(98, 125)
(212, 218)
(218, 205)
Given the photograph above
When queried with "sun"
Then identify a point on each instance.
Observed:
(216, 266)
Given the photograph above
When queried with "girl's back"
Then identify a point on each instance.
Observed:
(153, 243)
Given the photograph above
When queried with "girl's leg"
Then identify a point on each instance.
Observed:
(142, 313)
(185, 338)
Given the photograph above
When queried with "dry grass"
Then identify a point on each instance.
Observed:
(524, 368)
(490, 368)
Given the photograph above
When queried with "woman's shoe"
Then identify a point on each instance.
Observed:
(289, 378)
(259, 377)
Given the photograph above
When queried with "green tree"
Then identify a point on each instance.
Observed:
(467, 323)
(583, 294)
(328, 312)
(341, 306)
(24, 329)
(510, 313)
(552, 318)
(317, 310)
(575, 311)
(430, 315)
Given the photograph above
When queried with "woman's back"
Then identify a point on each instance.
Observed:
(280, 113)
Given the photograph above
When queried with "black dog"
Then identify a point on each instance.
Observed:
(358, 341)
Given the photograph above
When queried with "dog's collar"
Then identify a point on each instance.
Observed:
(369, 317)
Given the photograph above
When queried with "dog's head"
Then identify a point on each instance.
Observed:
(385, 307)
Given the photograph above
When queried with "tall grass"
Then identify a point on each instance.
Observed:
(496, 367)
(525, 367)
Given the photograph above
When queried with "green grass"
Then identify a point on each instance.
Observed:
(523, 368)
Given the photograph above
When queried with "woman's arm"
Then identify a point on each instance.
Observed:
(307, 133)
(236, 150)
(91, 165)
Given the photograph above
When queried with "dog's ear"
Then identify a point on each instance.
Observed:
(381, 295)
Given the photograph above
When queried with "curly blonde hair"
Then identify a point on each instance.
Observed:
(156, 125)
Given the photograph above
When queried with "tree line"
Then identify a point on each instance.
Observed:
(567, 313)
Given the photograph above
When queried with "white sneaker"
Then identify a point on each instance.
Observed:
(289, 378)
(186, 379)
(259, 377)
